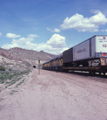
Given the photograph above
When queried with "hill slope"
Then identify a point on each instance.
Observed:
(22, 58)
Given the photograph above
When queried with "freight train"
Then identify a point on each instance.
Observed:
(89, 55)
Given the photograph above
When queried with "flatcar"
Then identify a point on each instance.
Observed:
(89, 55)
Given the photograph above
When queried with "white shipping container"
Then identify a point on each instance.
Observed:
(81, 51)
(92, 48)
(101, 44)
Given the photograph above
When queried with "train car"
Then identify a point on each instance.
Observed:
(54, 64)
(89, 55)
(59, 63)
(46, 65)
(68, 58)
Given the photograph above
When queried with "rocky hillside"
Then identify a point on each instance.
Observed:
(18, 58)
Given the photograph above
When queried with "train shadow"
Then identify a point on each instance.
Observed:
(96, 76)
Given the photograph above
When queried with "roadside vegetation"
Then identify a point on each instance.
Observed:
(12, 79)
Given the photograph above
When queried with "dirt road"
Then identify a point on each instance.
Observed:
(55, 96)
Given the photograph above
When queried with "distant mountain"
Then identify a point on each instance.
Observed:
(22, 57)
(30, 54)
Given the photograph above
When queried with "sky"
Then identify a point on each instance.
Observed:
(50, 25)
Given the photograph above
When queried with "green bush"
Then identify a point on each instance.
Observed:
(2, 68)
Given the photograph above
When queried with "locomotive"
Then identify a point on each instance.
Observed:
(89, 55)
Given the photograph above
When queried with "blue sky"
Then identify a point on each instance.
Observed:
(50, 25)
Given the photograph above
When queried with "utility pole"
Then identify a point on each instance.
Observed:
(39, 67)
(39, 59)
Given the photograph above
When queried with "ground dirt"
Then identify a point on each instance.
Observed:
(56, 96)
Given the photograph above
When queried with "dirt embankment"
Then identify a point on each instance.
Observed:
(55, 96)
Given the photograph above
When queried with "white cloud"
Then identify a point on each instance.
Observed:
(12, 35)
(57, 41)
(104, 30)
(55, 30)
(95, 11)
(98, 19)
(0, 34)
(55, 45)
(49, 29)
(32, 35)
(80, 23)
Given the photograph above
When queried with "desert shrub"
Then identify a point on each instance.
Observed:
(2, 68)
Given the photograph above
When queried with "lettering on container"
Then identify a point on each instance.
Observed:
(82, 50)
(104, 45)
